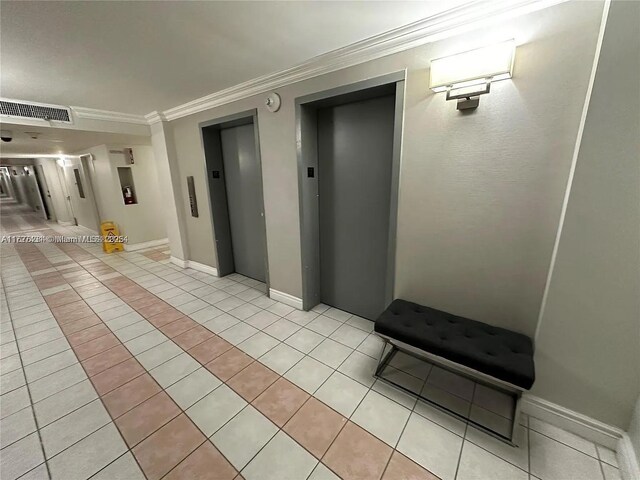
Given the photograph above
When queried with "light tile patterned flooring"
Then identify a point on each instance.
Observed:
(125, 366)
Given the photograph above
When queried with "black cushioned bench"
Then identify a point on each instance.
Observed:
(499, 357)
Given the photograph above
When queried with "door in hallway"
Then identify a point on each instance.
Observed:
(80, 195)
(355, 155)
(243, 182)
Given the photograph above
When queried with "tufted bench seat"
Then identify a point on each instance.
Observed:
(493, 355)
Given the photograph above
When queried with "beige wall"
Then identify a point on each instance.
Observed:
(142, 222)
(480, 194)
(588, 348)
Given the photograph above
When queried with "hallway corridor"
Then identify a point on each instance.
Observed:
(125, 366)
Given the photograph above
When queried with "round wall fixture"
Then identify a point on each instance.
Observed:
(273, 102)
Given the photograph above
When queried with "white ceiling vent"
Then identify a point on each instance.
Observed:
(31, 110)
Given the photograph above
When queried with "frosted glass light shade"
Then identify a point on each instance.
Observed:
(494, 62)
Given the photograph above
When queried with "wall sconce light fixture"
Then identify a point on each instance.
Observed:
(465, 76)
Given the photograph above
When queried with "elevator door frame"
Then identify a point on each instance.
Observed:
(217, 197)
(307, 153)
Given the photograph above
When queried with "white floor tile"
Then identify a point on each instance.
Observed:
(74, 427)
(132, 331)
(552, 460)
(308, 374)
(431, 446)
(382, 417)
(193, 387)
(280, 309)
(282, 329)
(238, 333)
(221, 323)
(323, 325)
(281, 458)
(243, 436)
(304, 340)
(20, 457)
(244, 311)
(443, 419)
(360, 367)
(562, 436)
(350, 336)
(216, 409)
(337, 314)
(478, 464)
(323, 473)
(518, 456)
(451, 382)
(16, 426)
(89, 455)
(411, 365)
(258, 344)
(262, 319)
(229, 304)
(301, 317)
(399, 377)
(173, 370)
(159, 354)
(204, 315)
(491, 420)
(493, 400)
(331, 353)
(124, 468)
(341, 393)
(55, 382)
(281, 358)
(56, 406)
(146, 341)
(446, 399)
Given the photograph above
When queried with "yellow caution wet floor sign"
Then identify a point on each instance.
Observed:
(111, 239)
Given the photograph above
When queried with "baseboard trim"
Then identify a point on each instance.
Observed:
(132, 247)
(285, 298)
(574, 422)
(200, 267)
(66, 224)
(179, 262)
(628, 458)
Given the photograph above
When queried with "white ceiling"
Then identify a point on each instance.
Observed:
(61, 140)
(137, 57)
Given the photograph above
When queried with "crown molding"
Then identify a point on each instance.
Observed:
(108, 116)
(155, 117)
(437, 27)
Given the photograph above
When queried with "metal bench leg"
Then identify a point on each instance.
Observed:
(385, 359)
(516, 418)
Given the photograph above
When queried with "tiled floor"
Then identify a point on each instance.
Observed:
(125, 366)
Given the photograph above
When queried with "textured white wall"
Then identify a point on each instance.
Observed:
(480, 194)
(588, 347)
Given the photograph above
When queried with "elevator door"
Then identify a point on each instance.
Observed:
(243, 181)
(355, 153)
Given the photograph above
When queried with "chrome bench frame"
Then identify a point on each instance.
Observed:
(476, 376)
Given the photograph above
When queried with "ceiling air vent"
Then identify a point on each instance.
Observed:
(40, 111)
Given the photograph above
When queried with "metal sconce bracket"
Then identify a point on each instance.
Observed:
(468, 96)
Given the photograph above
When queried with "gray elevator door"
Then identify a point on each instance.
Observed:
(355, 154)
(243, 184)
